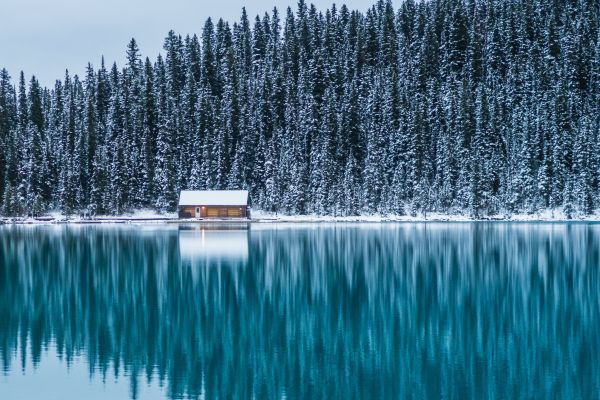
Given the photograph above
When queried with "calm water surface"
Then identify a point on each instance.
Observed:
(421, 311)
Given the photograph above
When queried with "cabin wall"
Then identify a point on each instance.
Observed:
(220, 212)
(187, 210)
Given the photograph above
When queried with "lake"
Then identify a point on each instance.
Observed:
(297, 311)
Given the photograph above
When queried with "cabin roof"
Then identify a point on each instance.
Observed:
(213, 198)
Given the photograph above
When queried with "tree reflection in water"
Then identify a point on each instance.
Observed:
(470, 310)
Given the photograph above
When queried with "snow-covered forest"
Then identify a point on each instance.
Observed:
(467, 106)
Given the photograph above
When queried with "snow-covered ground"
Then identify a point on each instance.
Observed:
(546, 216)
(150, 216)
(57, 217)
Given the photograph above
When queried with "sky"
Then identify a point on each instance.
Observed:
(46, 37)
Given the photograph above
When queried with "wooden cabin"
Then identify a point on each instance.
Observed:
(220, 204)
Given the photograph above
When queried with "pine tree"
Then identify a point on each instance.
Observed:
(99, 157)
(8, 122)
(164, 174)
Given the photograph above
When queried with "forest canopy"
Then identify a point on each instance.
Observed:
(482, 107)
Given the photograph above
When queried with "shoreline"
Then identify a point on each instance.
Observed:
(272, 219)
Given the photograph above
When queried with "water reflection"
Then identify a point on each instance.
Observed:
(315, 311)
(213, 243)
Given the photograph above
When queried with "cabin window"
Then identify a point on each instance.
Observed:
(234, 212)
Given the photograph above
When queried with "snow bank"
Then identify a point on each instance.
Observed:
(546, 216)
(150, 216)
(57, 217)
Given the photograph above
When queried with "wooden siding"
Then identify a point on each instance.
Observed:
(214, 211)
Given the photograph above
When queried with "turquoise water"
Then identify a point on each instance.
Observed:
(421, 311)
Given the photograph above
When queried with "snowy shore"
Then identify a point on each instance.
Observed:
(151, 217)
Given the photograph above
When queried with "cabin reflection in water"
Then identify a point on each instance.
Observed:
(214, 242)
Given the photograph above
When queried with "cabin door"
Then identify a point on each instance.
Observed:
(197, 212)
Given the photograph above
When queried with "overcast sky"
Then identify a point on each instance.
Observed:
(45, 37)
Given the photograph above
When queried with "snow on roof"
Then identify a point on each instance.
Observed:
(213, 198)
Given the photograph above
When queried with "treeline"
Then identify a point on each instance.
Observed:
(470, 106)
